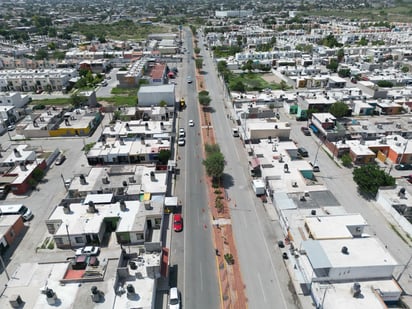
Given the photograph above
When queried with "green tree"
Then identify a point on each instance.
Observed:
(333, 65)
(370, 178)
(340, 54)
(214, 164)
(344, 72)
(162, 103)
(77, 100)
(248, 66)
(41, 54)
(405, 69)
(385, 84)
(239, 86)
(199, 63)
(363, 41)
(164, 156)
(204, 99)
(196, 50)
(346, 160)
(339, 109)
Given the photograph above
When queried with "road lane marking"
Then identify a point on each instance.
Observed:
(201, 277)
(261, 287)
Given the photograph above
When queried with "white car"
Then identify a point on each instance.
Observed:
(11, 127)
(182, 133)
(88, 250)
(181, 141)
(174, 299)
(189, 80)
(191, 123)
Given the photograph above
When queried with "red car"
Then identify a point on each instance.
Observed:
(177, 223)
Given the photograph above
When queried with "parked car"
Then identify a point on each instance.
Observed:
(174, 298)
(403, 167)
(305, 131)
(104, 83)
(60, 159)
(281, 244)
(11, 127)
(303, 152)
(182, 132)
(181, 141)
(177, 223)
(285, 255)
(88, 250)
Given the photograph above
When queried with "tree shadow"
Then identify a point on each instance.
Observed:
(365, 195)
(227, 181)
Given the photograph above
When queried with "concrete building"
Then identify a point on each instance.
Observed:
(78, 224)
(153, 95)
(340, 260)
(15, 99)
(32, 80)
(10, 228)
(123, 181)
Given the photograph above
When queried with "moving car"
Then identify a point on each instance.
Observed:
(104, 83)
(88, 250)
(177, 223)
(305, 131)
(189, 79)
(403, 167)
(191, 123)
(60, 159)
(181, 141)
(281, 244)
(174, 299)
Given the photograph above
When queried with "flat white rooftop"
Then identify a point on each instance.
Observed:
(333, 227)
(362, 252)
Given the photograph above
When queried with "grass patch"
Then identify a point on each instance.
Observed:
(124, 91)
(54, 101)
(251, 81)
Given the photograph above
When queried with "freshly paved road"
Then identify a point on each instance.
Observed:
(264, 274)
(193, 250)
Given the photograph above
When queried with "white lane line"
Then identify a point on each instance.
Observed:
(201, 277)
(261, 287)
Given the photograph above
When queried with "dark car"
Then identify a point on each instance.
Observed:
(281, 244)
(305, 131)
(285, 255)
(60, 159)
(403, 167)
(303, 152)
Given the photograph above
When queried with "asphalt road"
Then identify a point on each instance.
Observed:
(193, 254)
(264, 274)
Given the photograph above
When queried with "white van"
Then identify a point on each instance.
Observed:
(18, 209)
(235, 132)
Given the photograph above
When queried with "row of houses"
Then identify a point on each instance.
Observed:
(331, 254)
